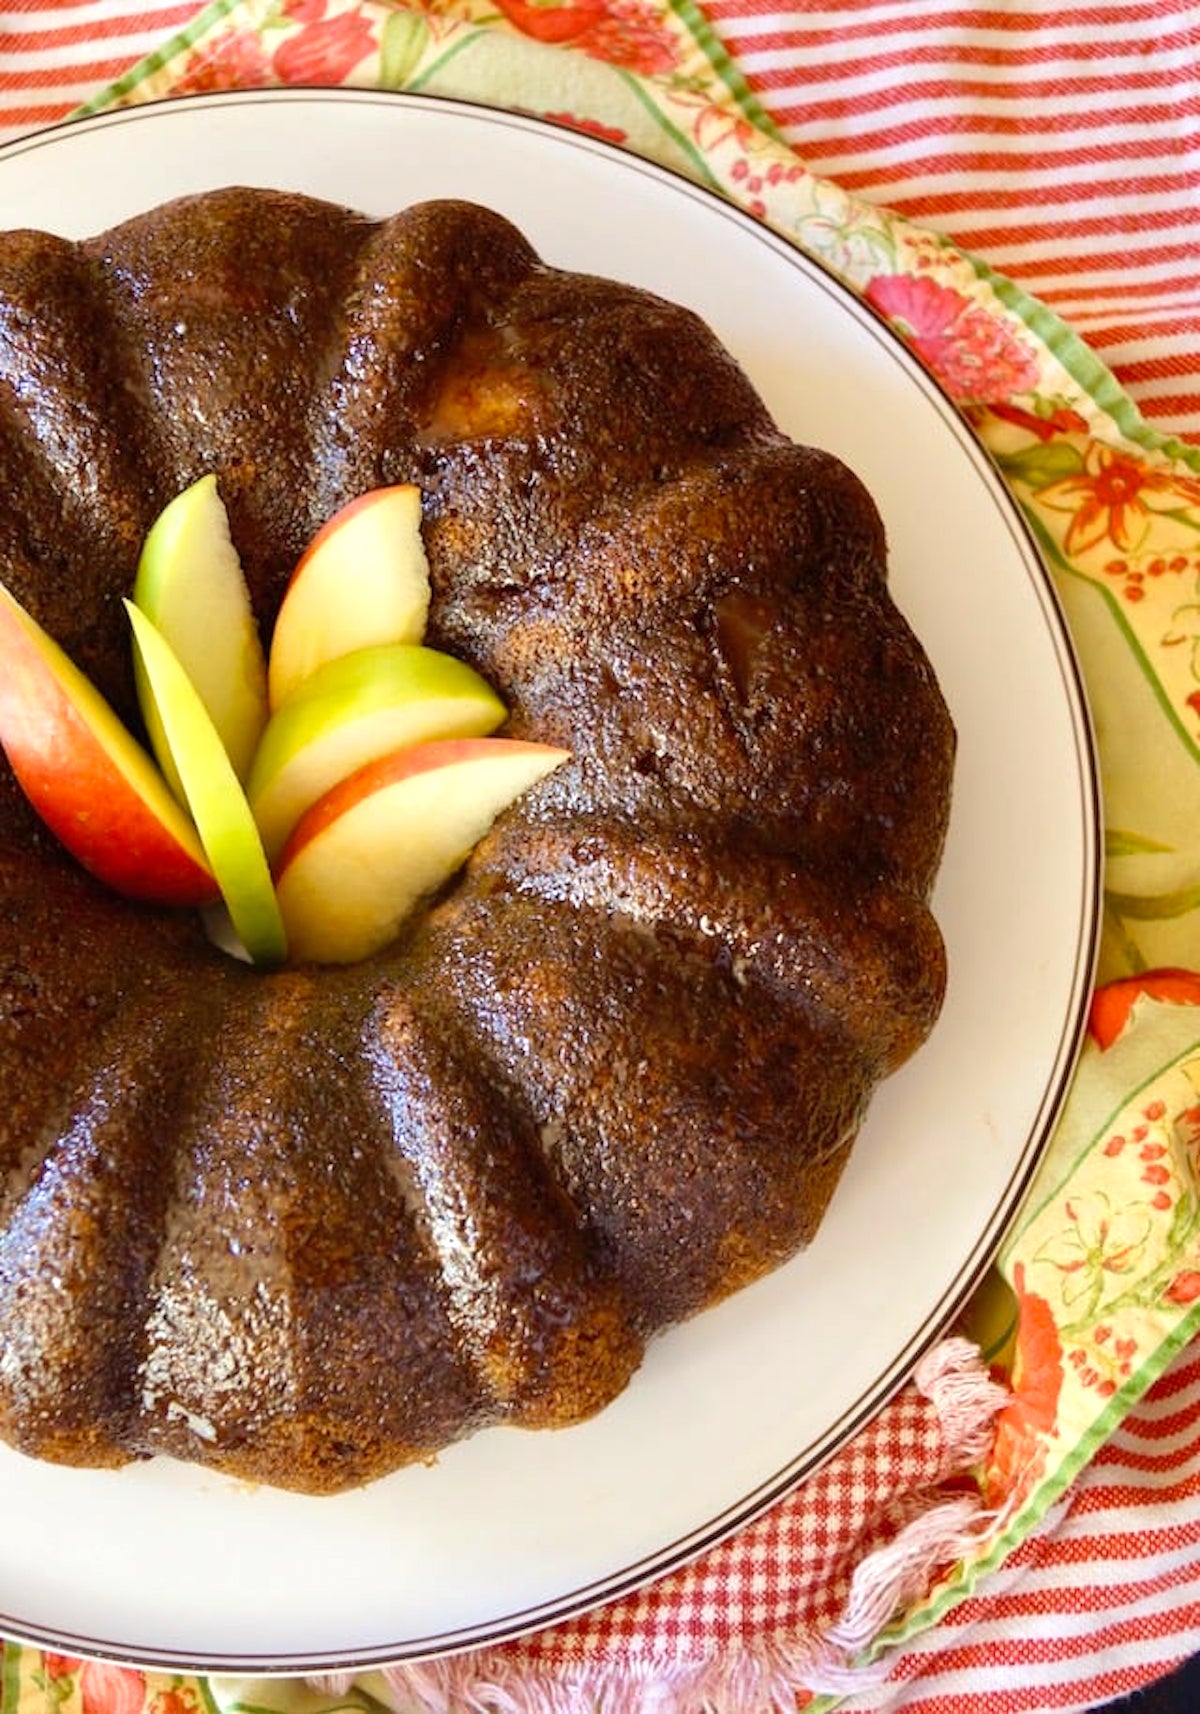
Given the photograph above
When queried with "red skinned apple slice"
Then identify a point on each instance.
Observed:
(213, 792)
(364, 856)
(350, 712)
(363, 580)
(190, 584)
(87, 776)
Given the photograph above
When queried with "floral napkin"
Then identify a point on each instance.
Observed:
(1098, 1286)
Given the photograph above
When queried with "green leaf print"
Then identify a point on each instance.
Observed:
(404, 40)
(1118, 842)
(1039, 466)
(1156, 907)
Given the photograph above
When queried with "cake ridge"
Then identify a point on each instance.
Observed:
(526, 1289)
(613, 1071)
(784, 922)
(387, 329)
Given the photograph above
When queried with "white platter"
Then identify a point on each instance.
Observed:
(162, 1564)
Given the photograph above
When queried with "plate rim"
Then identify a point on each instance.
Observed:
(1072, 1030)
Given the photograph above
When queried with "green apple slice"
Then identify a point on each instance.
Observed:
(190, 585)
(350, 712)
(87, 776)
(364, 579)
(213, 793)
(368, 852)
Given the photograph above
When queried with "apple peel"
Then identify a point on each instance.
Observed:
(354, 710)
(214, 794)
(190, 584)
(381, 759)
(380, 842)
(363, 579)
(91, 782)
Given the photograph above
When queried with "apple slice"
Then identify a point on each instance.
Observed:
(363, 579)
(214, 794)
(190, 584)
(88, 778)
(350, 712)
(370, 850)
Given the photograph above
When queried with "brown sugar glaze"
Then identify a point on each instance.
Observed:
(306, 1226)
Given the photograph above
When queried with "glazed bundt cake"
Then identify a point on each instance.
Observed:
(309, 1224)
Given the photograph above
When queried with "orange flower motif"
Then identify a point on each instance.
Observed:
(553, 23)
(325, 50)
(1019, 1454)
(626, 33)
(1062, 420)
(233, 61)
(175, 1700)
(714, 126)
(1112, 1004)
(109, 1689)
(1113, 498)
(589, 127)
(1185, 1287)
(60, 1665)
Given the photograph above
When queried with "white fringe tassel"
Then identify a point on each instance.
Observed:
(763, 1677)
(952, 1377)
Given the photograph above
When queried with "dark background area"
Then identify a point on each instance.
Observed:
(1177, 1694)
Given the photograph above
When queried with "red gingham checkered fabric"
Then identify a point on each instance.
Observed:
(764, 1612)
(789, 1572)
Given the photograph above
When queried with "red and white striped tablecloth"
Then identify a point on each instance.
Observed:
(1057, 140)
(1080, 1613)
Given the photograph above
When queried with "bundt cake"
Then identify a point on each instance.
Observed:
(306, 1225)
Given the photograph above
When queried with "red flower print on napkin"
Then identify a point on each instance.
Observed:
(627, 33)
(976, 356)
(102, 1687)
(1019, 1452)
(233, 61)
(57, 1666)
(589, 127)
(1062, 419)
(1185, 1287)
(324, 50)
(108, 1689)
(552, 23)
(1113, 497)
(1112, 1004)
